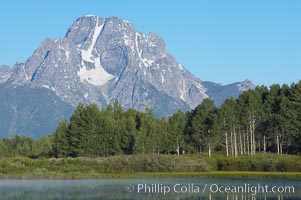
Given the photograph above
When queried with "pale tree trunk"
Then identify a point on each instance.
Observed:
(200, 145)
(251, 139)
(235, 145)
(244, 142)
(248, 143)
(178, 147)
(264, 144)
(253, 131)
(227, 146)
(240, 143)
(278, 146)
(231, 141)
(209, 150)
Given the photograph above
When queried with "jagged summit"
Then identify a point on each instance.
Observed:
(102, 60)
(246, 85)
(90, 15)
(5, 73)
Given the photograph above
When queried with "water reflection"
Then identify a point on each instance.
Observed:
(129, 189)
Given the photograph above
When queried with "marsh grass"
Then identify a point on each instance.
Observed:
(153, 166)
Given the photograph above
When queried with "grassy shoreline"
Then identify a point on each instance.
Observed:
(153, 166)
(149, 175)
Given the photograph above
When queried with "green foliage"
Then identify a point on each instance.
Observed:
(202, 126)
(260, 120)
(149, 165)
(59, 140)
(261, 162)
(41, 147)
(5, 150)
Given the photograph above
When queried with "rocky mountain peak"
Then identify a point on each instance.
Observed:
(5, 73)
(102, 60)
(246, 85)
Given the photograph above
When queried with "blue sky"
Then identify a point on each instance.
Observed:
(220, 41)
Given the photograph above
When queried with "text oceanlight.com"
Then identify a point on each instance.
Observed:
(246, 188)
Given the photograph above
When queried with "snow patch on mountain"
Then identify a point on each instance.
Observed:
(90, 15)
(182, 91)
(87, 54)
(86, 95)
(202, 90)
(144, 61)
(162, 79)
(96, 76)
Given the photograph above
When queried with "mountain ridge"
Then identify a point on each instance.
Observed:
(102, 60)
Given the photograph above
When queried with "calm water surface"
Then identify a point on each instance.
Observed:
(134, 189)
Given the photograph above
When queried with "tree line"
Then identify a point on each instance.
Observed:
(260, 120)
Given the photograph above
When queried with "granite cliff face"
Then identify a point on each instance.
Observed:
(5, 73)
(103, 60)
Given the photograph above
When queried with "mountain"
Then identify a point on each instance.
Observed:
(100, 60)
(220, 92)
(5, 73)
(30, 111)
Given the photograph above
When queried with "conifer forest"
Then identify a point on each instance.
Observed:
(259, 121)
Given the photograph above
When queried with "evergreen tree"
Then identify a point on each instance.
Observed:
(42, 147)
(200, 125)
(59, 140)
(76, 131)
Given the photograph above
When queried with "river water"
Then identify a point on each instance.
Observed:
(134, 189)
